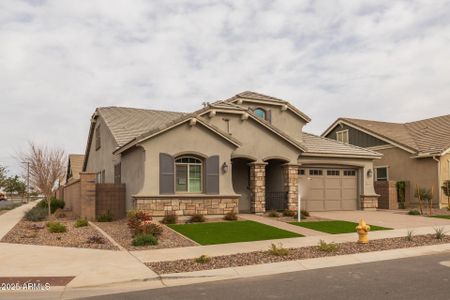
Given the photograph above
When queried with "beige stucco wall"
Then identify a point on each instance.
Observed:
(364, 165)
(185, 139)
(133, 173)
(258, 142)
(285, 120)
(445, 175)
(103, 158)
(422, 172)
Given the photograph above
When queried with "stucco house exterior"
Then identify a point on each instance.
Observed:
(247, 153)
(417, 152)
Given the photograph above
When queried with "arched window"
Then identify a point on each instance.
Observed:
(189, 174)
(261, 113)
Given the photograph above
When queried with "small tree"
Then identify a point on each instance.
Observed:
(14, 185)
(47, 167)
(446, 189)
(3, 176)
(424, 194)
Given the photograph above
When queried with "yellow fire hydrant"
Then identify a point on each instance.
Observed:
(362, 230)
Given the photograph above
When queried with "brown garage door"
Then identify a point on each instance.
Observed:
(328, 189)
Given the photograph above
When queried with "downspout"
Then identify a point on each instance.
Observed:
(439, 180)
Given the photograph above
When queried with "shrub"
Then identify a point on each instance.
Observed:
(327, 247)
(289, 213)
(36, 214)
(150, 227)
(170, 218)
(56, 227)
(439, 233)
(230, 216)
(9, 206)
(54, 204)
(95, 239)
(203, 259)
(278, 250)
(304, 213)
(273, 214)
(106, 217)
(197, 218)
(409, 235)
(414, 212)
(135, 219)
(81, 223)
(144, 240)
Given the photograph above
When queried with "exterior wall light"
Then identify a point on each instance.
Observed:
(369, 173)
(224, 167)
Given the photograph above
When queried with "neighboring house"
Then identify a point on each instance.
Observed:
(247, 153)
(418, 152)
(74, 167)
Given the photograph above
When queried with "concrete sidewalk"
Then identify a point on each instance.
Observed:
(234, 248)
(281, 225)
(9, 219)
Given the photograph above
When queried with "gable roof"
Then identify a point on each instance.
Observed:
(423, 138)
(74, 166)
(321, 146)
(248, 95)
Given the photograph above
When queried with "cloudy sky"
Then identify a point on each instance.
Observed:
(385, 60)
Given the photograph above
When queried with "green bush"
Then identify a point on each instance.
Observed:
(170, 219)
(289, 213)
(410, 235)
(414, 212)
(150, 227)
(36, 214)
(230, 216)
(81, 223)
(203, 259)
(144, 240)
(197, 218)
(278, 250)
(54, 204)
(9, 206)
(273, 214)
(304, 213)
(439, 233)
(327, 247)
(56, 227)
(106, 217)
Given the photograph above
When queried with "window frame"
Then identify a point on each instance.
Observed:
(340, 136)
(260, 109)
(376, 173)
(312, 172)
(349, 173)
(188, 164)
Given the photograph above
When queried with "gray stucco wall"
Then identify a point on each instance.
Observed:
(133, 173)
(356, 137)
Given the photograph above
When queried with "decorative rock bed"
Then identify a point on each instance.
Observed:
(263, 257)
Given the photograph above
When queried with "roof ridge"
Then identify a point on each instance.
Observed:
(142, 109)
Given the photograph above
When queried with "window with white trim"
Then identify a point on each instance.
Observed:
(342, 136)
(189, 174)
(381, 174)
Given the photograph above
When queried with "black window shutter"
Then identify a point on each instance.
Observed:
(212, 175)
(166, 174)
(269, 116)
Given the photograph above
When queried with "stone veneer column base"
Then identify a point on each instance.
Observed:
(290, 174)
(369, 202)
(257, 187)
(159, 206)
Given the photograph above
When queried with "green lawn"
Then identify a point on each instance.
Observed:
(335, 227)
(442, 216)
(231, 232)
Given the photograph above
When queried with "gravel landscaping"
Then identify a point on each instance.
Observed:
(263, 257)
(120, 232)
(36, 233)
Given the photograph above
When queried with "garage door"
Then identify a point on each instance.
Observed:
(328, 189)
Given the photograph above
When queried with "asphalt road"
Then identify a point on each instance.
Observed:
(412, 278)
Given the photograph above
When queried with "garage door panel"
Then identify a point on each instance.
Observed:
(333, 183)
(316, 194)
(333, 194)
(333, 205)
(349, 204)
(316, 183)
(314, 205)
(348, 182)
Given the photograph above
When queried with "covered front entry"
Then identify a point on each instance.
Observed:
(241, 182)
(276, 194)
(323, 189)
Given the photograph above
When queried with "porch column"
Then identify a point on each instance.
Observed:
(290, 182)
(257, 187)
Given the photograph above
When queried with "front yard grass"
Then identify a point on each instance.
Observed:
(442, 216)
(335, 226)
(231, 232)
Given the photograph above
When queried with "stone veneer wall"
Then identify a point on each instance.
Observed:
(290, 174)
(258, 187)
(185, 206)
(369, 202)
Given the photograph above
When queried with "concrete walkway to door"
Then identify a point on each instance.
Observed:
(387, 218)
(281, 225)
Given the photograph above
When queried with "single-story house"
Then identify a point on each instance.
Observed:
(74, 167)
(417, 152)
(248, 153)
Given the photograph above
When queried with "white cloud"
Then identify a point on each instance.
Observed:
(385, 60)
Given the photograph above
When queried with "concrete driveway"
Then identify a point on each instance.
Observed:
(386, 218)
